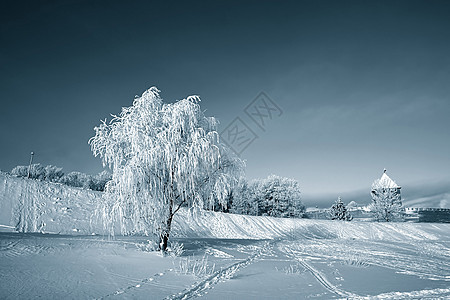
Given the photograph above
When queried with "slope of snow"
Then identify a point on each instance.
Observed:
(35, 206)
(201, 224)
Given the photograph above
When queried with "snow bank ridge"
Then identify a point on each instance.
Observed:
(38, 206)
(35, 206)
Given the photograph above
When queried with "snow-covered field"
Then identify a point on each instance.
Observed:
(225, 256)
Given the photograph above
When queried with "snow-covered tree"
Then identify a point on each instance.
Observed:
(387, 203)
(279, 197)
(273, 196)
(338, 211)
(244, 200)
(77, 179)
(163, 156)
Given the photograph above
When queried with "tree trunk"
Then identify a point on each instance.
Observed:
(164, 235)
(165, 232)
(164, 238)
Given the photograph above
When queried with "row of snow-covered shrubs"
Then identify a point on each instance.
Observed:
(273, 196)
(55, 174)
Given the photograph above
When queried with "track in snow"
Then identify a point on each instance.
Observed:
(16, 248)
(220, 276)
(149, 280)
(321, 278)
(423, 294)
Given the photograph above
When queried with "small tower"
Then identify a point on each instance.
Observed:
(385, 182)
(387, 201)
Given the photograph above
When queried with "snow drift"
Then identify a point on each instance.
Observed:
(198, 224)
(36, 206)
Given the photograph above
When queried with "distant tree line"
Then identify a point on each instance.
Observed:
(274, 196)
(55, 174)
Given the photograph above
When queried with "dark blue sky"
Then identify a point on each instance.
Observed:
(363, 85)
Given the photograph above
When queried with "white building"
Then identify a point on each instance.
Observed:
(386, 185)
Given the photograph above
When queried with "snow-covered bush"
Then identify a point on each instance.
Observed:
(176, 249)
(150, 246)
(56, 174)
(355, 260)
(163, 156)
(200, 268)
(77, 179)
(100, 180)
(338, 211)
(52, 173)
(20, 171)
(37, 171)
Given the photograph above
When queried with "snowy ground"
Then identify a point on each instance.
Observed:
(410, 261)
(226, 256)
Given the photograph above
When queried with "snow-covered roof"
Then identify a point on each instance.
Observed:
(385, 182)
